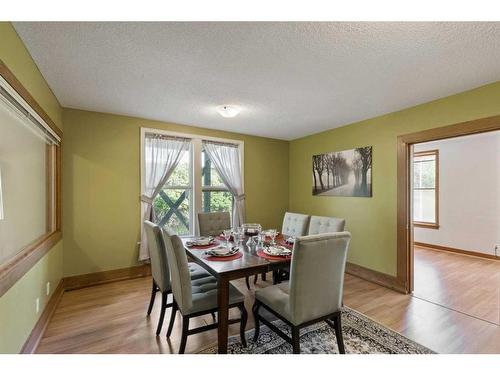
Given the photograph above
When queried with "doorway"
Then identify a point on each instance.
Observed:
(405, 150)
(455, 194)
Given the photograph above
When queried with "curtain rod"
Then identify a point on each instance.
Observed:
(166, 136)
(221, 143)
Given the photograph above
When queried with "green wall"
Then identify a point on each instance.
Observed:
(17, 306)
(101, 186)
(372, 221)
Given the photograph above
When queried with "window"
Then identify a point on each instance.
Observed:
(426, 189)
(172, 206)
(29, 181)
(216, 197)
(194, 185)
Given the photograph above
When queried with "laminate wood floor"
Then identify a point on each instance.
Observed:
(111, 318)
(460, 282)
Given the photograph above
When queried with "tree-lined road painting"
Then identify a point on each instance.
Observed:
(344, 173)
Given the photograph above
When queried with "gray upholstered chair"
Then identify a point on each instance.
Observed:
(213, 223)
(193, 299)
(160, 270)
(324, 224)
(314, 292)
(295, 224)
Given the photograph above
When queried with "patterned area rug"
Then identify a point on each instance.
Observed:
(361, 336)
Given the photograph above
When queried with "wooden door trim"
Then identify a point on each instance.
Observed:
(404, 220)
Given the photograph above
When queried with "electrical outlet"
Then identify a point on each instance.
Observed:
(48, 288)
(37, 305)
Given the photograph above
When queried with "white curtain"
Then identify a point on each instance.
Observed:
(161, 156)
(226, 160)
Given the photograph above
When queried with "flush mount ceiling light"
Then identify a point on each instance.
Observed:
(228, 110)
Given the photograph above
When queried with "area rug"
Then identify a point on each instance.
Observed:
(361, 336)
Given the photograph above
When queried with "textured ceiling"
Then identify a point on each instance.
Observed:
(291, 79)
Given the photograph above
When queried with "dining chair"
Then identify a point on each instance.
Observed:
(295, 224)
(213, 223)
(324, 224)
(160, 270)
(193, 299)
(314, 292)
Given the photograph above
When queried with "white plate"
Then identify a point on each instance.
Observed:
(221, 252)
(202, 241)
(277, 251)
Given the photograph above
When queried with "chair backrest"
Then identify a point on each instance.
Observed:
(158, 256)
(179, 270)
(295, 224)
(324, 224)
(213, 223)
(317, 275)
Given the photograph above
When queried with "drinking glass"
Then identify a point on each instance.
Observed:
(227, 236)
(272, 233)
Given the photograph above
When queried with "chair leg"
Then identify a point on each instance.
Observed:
(255, 311)
(255, 277)
(213, 316)
(153, 295)
(338, 334)
(172, 318)
(296, 340)
(264, 276)
(185, 328)
(164, 296)
(243, 324)
(275, 277)
(247, 280)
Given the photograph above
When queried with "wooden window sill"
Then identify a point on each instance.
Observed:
(426, 225)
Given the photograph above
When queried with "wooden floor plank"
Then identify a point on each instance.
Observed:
(111, 318)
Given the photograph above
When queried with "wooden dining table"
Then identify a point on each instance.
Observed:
(225, 271)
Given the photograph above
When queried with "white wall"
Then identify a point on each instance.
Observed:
(469, 194)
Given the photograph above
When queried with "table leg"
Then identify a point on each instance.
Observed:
(223, 314)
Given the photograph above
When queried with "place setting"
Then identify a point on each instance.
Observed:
(202, 242)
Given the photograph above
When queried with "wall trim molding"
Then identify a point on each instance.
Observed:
(97, 278)
(455, 250)
(36, 334)
(375, 277)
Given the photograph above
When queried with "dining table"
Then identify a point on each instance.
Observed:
(248, 264)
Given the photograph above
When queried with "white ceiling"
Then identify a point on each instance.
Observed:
(292, 79)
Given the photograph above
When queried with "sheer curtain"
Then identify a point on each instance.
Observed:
(226, 160)
(161, 156)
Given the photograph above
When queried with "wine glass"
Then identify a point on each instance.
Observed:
(272, 233)
(227, 236)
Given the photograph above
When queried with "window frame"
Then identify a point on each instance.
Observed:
(426, 224)
(196, 149)
(20, 263)
(210, 189)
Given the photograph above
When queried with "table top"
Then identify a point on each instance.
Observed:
(250, 263)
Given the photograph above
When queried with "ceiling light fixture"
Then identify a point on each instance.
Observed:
(228, 110)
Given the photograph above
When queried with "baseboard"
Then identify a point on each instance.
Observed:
(36, 334)
(376, 277)
(97, 278)
(457, 251)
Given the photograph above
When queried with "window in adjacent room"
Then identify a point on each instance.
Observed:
(426, 189)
